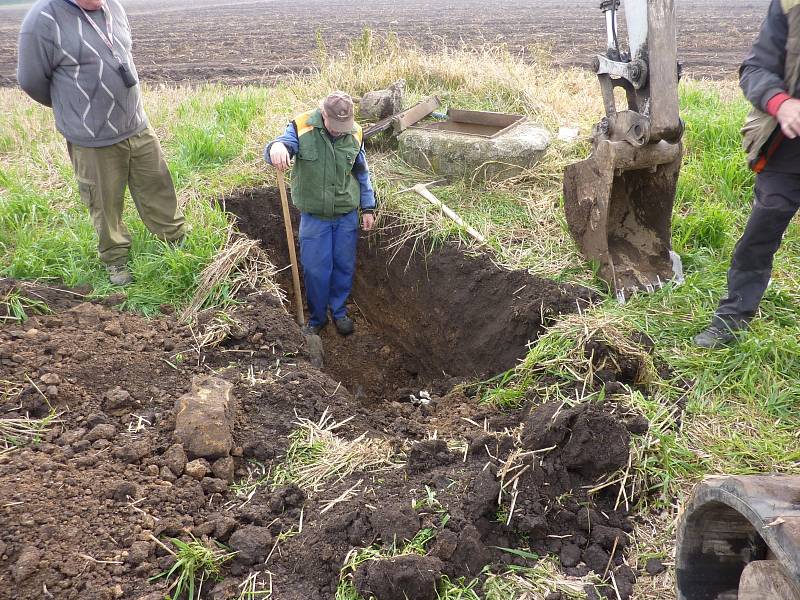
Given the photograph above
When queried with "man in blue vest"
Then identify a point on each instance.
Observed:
(330, 184)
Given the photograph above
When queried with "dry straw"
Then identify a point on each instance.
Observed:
(16, 432)
(318, 457)
(240, 264)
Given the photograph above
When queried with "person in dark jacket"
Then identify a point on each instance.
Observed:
(330, 184)
(769, 78)
(75, 57)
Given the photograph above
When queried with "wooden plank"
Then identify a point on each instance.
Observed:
(415, 114)
(375, 129)
(403, 120)
(767, 579)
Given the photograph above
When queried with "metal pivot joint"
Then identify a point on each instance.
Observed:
(619, 201)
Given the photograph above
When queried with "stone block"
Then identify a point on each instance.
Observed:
(204, 418)
(378, 105)
(456, 155)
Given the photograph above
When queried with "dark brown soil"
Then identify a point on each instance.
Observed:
(78, 509)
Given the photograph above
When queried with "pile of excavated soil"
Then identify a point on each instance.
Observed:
(80, 509)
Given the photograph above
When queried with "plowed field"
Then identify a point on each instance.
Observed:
(256, 42)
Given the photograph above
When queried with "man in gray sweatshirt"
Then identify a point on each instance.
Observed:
(75, 56)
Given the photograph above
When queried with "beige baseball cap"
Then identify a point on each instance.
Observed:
(338, 108)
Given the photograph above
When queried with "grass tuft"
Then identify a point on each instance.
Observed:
(317, 457)
(241, 264)
(23, 431)
(537, 582)
(195, 563)
(255, 587)
(17, 307)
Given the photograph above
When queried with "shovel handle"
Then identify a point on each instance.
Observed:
(287, 221)
(423, 191)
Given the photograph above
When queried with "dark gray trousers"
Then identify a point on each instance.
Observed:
(777, 198)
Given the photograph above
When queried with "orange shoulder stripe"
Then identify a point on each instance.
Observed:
(301, 122)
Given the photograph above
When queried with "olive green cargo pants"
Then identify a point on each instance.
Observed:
(102, 175)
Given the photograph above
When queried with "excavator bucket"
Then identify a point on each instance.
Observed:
(618, 205)
(619, 201)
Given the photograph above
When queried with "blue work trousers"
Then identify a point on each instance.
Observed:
(328, 256)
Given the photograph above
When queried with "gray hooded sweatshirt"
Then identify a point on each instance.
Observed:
(65, 64)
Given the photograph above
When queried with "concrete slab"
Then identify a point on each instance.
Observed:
(455, 155)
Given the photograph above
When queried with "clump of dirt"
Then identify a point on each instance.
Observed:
(409, 576)
(615, 368)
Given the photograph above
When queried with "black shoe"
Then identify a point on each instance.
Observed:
(309, 329)
(715, 336)
(345, 325)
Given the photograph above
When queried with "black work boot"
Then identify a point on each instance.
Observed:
(345, 325)
(716, 336)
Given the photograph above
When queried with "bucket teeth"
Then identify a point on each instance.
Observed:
(618, 205)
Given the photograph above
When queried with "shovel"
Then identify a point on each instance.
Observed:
(287, 221)
(313, 342)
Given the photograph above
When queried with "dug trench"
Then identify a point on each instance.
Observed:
(311, 477)
(433, 318)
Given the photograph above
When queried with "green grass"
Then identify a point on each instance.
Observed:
(15, 306)
(209, 136)
(195, 564)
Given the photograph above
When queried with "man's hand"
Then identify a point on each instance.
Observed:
(789, 118)
(279, 156)
(367, 221)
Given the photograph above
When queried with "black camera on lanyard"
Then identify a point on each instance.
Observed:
(124, 70)
(128, 78)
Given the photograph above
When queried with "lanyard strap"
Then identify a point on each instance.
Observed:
(107, 39)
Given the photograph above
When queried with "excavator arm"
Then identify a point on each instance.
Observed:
(619, 201)
(738, 537)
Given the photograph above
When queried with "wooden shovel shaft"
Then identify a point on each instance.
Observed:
(425, 193)
(287, 221)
